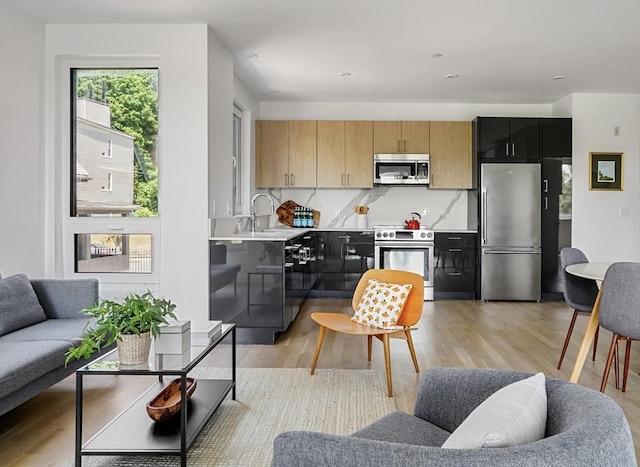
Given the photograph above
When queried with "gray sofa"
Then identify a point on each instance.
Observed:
(584, 427)
(39, 321)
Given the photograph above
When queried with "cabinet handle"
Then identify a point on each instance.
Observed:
(342, 182)
(513, 149)
(506, 145)
(286, 179)
(404, 147)
(293, 180)
(454, 273)
(546, 186)
(545, 203)
(399, 146)
(348, 179)
(455, 250)
(455, 238)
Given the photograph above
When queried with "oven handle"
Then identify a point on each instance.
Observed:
(396, 244)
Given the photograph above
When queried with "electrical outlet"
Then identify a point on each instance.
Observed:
(426, 211)
(624, 212)
(616, 131)
(337, 211)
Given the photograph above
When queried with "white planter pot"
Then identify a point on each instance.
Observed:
(134, 348)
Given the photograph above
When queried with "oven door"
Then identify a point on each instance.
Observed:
(408, 256)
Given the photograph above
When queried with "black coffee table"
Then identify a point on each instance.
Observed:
(133, 432)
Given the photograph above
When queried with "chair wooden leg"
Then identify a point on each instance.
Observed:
(595, 343)
(387, 362)
(566, 339)
(627, 355)
(607, 367)
(369, 346)
(318, 347)
(412, 350)
(616, 364)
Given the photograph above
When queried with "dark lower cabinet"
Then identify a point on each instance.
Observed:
(343, 256)
(265, 284)
(455, 265)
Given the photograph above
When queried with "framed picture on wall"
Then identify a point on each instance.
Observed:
(606, 171)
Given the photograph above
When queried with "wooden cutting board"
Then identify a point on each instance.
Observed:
(286, 210)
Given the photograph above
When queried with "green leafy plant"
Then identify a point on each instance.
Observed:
(136, 314)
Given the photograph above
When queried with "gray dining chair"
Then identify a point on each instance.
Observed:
(620, 312)
(579, 293)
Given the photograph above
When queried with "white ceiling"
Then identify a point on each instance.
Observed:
(503, 51)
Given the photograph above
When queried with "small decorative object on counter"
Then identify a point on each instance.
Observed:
(289, 214)
(362, 221)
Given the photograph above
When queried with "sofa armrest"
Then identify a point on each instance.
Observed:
(446, 396)
(304, 448)
(65, 298)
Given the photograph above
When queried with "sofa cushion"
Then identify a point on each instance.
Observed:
(381, 304)
(400, 427)
(513, 415)
(24, 362)
(68, 330)
(19, 305)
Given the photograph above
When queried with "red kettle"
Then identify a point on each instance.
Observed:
(413, 223)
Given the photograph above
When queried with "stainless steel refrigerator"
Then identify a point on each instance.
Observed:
(510, 233)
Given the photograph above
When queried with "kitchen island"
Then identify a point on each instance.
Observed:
(273, 272)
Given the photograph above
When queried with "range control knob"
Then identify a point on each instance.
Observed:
(385, 234)
(423, 234)
(392, 234)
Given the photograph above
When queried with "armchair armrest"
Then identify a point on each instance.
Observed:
(65, 298)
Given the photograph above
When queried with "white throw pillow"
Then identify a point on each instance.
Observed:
(513, 415)
(381, 304)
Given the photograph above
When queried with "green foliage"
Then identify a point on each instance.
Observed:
(132, 96)
(135, 315)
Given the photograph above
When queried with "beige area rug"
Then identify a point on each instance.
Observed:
(273, 400)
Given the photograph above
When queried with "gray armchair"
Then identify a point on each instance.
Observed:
(584, 427)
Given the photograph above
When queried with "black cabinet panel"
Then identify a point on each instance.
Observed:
(556, 137)
(502, 139)
(455, 265)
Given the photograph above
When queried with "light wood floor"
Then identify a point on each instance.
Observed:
(523, 336)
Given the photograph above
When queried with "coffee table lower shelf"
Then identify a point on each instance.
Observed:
(134, 433)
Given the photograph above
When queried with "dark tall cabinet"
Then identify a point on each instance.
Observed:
(556, 143)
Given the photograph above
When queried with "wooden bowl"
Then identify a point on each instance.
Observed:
(168, 402)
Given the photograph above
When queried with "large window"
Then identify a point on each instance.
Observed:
(113, 172)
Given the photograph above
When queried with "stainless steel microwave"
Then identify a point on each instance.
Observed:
(401, 169)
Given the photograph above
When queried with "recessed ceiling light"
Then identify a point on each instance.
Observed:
(251, 55)
(451, 75)
(559, 77)
(437, 55)
(345, 74)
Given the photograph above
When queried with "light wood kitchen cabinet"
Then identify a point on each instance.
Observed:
(345, 154)
(450, 155)
(401, 137)
(286, 153)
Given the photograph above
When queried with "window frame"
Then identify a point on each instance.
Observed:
(68, 225)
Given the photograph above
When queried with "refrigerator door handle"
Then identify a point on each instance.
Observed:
(484, 216)
(511, 252)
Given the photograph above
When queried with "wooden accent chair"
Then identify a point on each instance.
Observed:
(579, 293)
(620, 313)
(411, 313)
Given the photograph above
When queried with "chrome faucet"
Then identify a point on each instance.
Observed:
(253, 208)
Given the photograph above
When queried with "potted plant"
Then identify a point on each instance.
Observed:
(131, 323)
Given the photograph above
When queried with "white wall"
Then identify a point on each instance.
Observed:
(183, 151)
(599, 227)
(22, 168)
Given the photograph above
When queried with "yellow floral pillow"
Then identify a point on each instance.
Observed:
(381, 304)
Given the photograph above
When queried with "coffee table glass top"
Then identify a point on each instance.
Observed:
(157, 364)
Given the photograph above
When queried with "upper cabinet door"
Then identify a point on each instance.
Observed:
(331, 154)
(359, 154)
(302, 153)
(556, 137)
(493, 138)
(387, 137)
(525, 139)
(451, 161)
(415, 137)
(272, 153)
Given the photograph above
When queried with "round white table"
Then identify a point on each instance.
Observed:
(595, 271)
